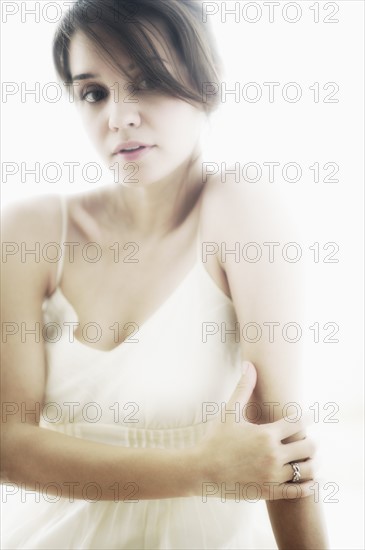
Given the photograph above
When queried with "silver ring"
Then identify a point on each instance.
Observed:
(296, 472)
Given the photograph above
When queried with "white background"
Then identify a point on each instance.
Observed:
(304, 132)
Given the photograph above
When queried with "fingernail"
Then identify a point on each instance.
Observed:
(244, 367)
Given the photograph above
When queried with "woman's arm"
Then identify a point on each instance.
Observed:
(269, 293)
(34, 455)
(298, 525)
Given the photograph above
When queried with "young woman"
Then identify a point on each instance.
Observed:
(141, 434)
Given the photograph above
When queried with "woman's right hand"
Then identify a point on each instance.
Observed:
(242, 460)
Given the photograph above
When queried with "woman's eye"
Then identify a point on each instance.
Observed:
(93, 95)
(145, 84)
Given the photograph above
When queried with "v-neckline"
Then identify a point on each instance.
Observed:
(195, 267)
(145, 323)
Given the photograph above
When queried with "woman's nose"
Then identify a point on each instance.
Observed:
(123, 114)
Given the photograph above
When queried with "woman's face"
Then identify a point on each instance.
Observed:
(113, 114)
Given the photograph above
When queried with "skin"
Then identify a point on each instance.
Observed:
(144, 116)
(127, 213)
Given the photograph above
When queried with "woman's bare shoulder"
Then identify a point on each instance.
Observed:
(28, 226)
(223, 200)
(32, 219)
(251, 210)
(40, 217)
(229, 200)
(225, 187)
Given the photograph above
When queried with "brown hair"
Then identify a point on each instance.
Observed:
(123, 22)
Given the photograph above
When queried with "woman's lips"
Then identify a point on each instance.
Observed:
(136, 154)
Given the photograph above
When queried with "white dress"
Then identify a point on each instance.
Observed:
(148, 393)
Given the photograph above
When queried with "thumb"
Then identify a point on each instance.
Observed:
(245, 385)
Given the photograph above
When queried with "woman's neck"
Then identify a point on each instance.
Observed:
(159, 208)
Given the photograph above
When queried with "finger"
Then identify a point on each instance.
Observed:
(290, 425)
(244, 388)
(307, 468)
(299, 450)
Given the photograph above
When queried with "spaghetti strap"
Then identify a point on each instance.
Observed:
(199, 250)
(198, 245)
(63, 205)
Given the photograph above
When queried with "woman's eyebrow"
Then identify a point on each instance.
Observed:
(86, 76)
